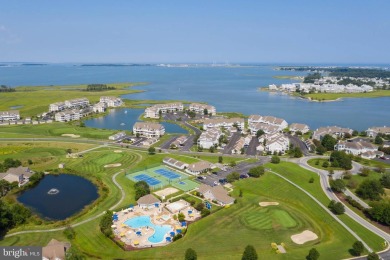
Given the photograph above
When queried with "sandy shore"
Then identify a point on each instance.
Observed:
(304, 237)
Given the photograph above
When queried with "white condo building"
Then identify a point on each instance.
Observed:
(227, 123)
(111, 101)
(148, 129)
(199, 108)
(58, 106)
(209, 138)
(77, 102)
(295, 127)
(375, 130)
(11, 115)
(68, 115)
(154, 111)
(334, 131)
(99, 107)
(269, 120)
(275, 142)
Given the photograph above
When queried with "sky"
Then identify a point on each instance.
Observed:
(201, 31)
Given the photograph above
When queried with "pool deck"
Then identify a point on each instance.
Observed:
(158, 216)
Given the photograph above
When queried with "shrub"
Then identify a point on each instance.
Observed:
(256, 171)
(190, 254)
(311, 180)
(336, 207)
(69, 233)
(358, 248)
(205, 212)
(275, 159)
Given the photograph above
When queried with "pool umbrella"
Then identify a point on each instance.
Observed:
(178, 231)
(136, 242)
(122, 234)
(156, 205)
(172, 233)
(138, 233)
(183, 224)
(168, 239)
(190, 211)
(131, 206)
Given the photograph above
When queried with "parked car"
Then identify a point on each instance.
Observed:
(201, 177)
(216, 183)
(244, 176)
(222, 181)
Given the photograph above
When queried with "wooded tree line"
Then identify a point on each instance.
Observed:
(4, 88)
(99, 87)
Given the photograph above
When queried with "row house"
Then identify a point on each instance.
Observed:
(335, 131)
(295, 127)
(68, 115)
(227, 123)
(273, 143)
(269, 120)
(154, 111)
(238, 145)
(111, 101)
(12, 115)
(355, 148)
(268, 129)
(99, 107)
(148, 129)
(200, 108)
(375, 130)
(209, 138)
(58, 106)
(180, 141)
(77, 102)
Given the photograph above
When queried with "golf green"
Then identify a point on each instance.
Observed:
(268, 218)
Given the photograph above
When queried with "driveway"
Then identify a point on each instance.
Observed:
(251, 149)
(233, 140)
(297, 142)
(167, 144)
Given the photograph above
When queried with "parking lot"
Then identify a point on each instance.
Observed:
(233, 140)
(242, 168)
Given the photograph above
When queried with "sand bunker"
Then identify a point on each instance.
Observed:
(166, 192)
(117, 151)
(112, 165)
(265, 204)
(71, 135)
(303, 237)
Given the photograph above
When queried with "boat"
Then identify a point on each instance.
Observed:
(123, 124)
(125, 111)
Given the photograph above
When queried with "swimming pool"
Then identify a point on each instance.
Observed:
(144, 221)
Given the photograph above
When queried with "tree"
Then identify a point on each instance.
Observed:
(364, 171)
(313, 254)
(211, 149)
(30, 162)
(320, 150)
(325, 164)
(259, 133)
(337, 185)
(358, 248)
(220, 159)
(205, 111)
(385, 180)
(336, 207)
(105, 224)
(380, 211)
(190, 254)
(297, 152)
(380, 169)
(372, 256)
(152, 150)
(205, 212)
(181, 217)
(249, 253)
(141, 189)
(378, 140)
(233, 163)
(275, 159)
(341, 159)
(69, 233)
(370, 189)
(328, 142)
(234, 176)
(256, 172)
(355, 133)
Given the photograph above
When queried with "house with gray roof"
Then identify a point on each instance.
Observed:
(216, 193)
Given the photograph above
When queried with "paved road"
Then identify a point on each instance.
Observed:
(195, 129)
(233, 140)
(297, 142)
(326, 187)
(88, 219)
(251, 149)
(167, 144)
(188, 144)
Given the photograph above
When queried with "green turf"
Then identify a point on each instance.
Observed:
(185, 185)
(272, 217)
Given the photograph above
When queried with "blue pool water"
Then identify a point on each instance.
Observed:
(144, 221)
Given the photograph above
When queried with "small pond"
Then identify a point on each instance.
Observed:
(59, 196)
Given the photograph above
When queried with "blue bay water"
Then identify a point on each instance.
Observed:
(229, 89)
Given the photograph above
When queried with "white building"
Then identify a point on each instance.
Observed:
(12, 115)
(154, 111)
(275, 142)
(175, 163)
(334, 131)
(295, 127)
(117, 136)
(268, 129)
(58, 106)
(68, 115)
(373, 131)
(179, 141)
(238, 146)
(77, 102)
(111, 101)
(148, 129)
(198, 167)
(99, 107)
(269, 120)
(200, 108)
(19, 174)
(227, 123)
(209, 138)
(355, 148)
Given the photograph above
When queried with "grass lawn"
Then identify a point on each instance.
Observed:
(225, 234)
(302, 176)
(334, 96)
(313, 163)
(53, 129)
(372, 163)
(35, 100)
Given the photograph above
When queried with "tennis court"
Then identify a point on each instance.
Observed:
(161, 176)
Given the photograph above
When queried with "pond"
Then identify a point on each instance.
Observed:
(125, 118)
(58, 197)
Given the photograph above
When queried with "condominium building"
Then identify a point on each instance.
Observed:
(11, 115)
(148, 129)
(295, 127)
(154, 111)
(355, 148)
(200, 108)
(68, 115)
(334, 131)
(111, 101)
(58, 106)
(269, 120)
(273, 143)
(227, 123)
(99, 107)
(209, 138)
(375, 130)
(77, 102)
